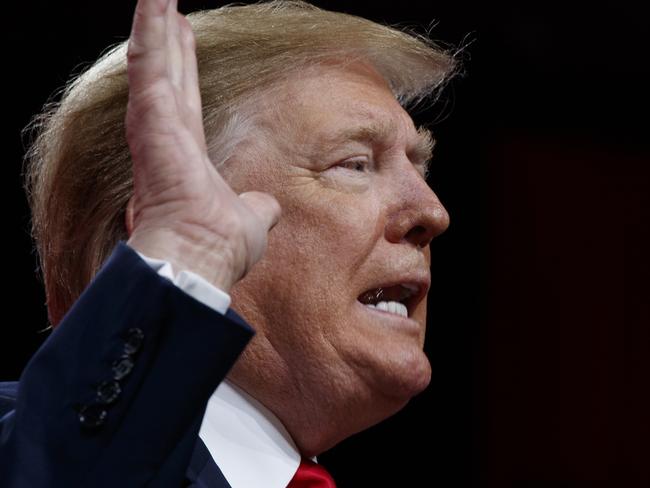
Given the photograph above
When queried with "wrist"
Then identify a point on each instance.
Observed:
(185, 255)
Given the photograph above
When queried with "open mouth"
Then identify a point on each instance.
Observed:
(400, 299)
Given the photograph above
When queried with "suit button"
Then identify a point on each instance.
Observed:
(122, 367)
(133, 342)
(108, 392)
(92, 416)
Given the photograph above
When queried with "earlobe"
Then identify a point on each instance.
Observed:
(128, 217)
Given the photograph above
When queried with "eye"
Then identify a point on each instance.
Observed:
(360, 165)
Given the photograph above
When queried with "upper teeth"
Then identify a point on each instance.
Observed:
(392, 307)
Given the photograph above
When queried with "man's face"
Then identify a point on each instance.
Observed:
(346, 164)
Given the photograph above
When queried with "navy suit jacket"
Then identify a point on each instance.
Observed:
(116, 394)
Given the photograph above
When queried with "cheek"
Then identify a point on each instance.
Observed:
(313, 256)
(335, 227)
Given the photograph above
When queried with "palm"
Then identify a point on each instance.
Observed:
(177, 191)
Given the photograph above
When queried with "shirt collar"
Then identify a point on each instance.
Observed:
(248, 442)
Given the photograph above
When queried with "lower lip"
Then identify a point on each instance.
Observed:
(392, 318)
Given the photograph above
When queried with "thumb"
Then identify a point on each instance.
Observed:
(264, 205)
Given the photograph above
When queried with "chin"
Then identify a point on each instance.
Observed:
(410, 376)
(387, 391)
(392, 383)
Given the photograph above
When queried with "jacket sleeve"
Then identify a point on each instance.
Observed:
(115, 395)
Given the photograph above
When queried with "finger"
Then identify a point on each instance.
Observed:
(264, 205)
(174, 42)
(147, 59)
(191, 86)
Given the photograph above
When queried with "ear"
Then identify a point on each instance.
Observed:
(128, 217)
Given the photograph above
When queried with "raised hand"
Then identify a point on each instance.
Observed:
(182, 210)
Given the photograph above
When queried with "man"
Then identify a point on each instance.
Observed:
(299, 110)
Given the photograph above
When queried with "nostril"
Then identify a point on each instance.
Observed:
(418, 235)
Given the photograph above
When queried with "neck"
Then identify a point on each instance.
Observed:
(316, 409)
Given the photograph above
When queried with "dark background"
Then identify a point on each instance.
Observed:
(539, 335)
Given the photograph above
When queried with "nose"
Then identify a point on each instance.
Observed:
(418, 216)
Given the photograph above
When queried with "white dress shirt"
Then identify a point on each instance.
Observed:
(247, 441)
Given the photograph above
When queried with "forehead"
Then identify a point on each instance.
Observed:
(328, 104)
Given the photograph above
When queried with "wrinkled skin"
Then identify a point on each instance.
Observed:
(356, 214)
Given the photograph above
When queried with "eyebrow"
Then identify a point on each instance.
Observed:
(419, 153)
(422, 151)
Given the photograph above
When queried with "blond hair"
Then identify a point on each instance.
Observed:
(78, 174)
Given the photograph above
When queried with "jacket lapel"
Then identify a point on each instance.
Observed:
(202, 471)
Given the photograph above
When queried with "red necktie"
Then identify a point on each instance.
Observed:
(311, 475)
